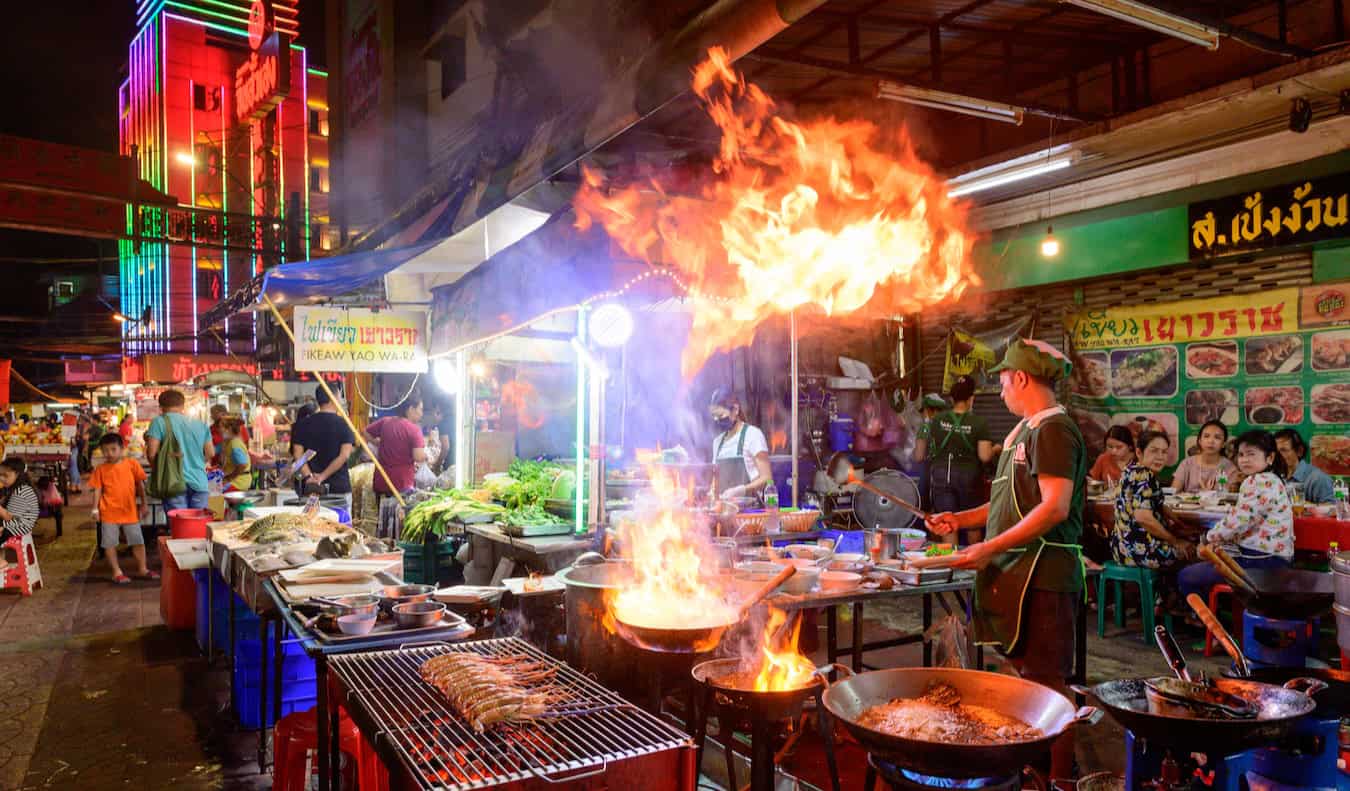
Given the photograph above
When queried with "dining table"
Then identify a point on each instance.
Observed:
(1312, 533)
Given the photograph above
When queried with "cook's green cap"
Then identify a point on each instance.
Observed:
(1034, 357)
(933, 401)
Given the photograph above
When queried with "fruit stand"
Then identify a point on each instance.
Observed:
(47, 453)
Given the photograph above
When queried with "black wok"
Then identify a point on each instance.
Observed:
(1036, 705)
(1288, 593)
(1278, 709)
(1333, 701)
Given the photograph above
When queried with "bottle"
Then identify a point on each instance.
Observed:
(1222, 484)
(771, 523)
(1333, 549)
(1342, 494)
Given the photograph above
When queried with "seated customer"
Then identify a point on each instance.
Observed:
(1141, 537)
(1259, 531)
(1317, 485)
(1200, 472)
(1118, 454)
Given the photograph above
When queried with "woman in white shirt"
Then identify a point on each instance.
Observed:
(739, 450)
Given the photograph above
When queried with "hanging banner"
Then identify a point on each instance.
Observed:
(358, 339)
(1286, 364)
(1261, 313)
(974, 353)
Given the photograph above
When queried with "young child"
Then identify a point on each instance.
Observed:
(1261, 525)
(118, 483)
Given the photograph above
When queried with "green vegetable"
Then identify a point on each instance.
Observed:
(435, 514)
(533, 482)
(564, 487)
(939, 550)
(528, 516)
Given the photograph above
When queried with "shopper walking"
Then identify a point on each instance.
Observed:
(193, 441)
(400, 446)
(332, 440)
(118, 484)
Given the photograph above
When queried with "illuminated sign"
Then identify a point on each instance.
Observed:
(259, 22)
(1307, 211)
(264, 80)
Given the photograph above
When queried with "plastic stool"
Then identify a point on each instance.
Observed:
(298, 733)
(1214, 594)
(1120, 575)
(24, 573)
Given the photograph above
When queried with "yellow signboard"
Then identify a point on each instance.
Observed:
(358, 339)
(1269, 312)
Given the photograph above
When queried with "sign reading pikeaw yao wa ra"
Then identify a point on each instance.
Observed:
(358, 339)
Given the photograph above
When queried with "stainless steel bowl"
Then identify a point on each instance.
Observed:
(403, 594)
(417, 614)
(352, 605)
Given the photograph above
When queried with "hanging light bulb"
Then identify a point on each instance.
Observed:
(1049, 245)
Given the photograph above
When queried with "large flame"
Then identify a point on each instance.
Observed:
(781, 666)
(670, 588)
(798, 215)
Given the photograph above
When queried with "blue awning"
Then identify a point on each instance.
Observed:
(325, 278)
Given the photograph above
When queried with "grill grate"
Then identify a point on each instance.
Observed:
(587, 726)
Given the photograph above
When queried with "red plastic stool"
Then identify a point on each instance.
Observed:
(298, 733)
(1214, 608)
(24, 573)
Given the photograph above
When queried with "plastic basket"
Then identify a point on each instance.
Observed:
(417, 570)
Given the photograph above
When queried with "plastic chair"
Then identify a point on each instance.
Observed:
(24, 573)
(1214, 608)
(298, 733)
(1120, 576)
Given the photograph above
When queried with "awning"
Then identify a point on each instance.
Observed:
(325, 278)
(556, 268)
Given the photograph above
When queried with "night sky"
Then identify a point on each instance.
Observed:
(62, 62)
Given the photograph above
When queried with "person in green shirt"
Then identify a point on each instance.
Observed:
(930, 406)
(1029, 581)
(956, 446)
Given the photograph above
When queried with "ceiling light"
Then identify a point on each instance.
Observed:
(1038, 163)
(1152, 18)
(185, 158)
(445, 373)
(951, 102)
(610, 325)
(1049, 245)
(119, 318)
(479, 366)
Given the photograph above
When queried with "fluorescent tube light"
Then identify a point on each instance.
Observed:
(951, 102)
(1152, 18)
(1037, 163)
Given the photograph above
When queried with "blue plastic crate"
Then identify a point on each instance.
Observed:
(246, 705)
(221, 599)
(295, 664)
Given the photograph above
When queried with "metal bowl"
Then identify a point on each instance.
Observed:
(356, 623)
(353, 605)
(417, 614)
(403, 594)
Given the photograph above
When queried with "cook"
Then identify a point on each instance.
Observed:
(1029, 583)
(740, 451)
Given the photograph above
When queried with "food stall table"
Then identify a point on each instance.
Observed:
(540, 553)
(1311, 533)
(319, 650)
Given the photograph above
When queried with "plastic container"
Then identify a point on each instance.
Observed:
(221, 599)
(417, 570)
(298, 685)
(841, 433)
(246, 704)
(177, 592)
(189, 522)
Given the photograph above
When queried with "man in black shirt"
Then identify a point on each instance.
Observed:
(327, 434)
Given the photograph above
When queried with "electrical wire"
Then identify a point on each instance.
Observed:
(356, 382)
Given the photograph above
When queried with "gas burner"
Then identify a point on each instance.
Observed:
(902, 779)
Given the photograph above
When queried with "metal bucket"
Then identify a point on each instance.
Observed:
(591, 647)
(1340, 569)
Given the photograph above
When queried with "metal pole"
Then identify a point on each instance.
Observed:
(342, 410)
(796, 386)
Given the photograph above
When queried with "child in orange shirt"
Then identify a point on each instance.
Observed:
(118, 483)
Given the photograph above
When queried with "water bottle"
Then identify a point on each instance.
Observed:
(771, 523)
(1333, 549)
(1342, 494)
(1222, 483)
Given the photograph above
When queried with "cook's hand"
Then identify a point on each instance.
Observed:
(975, 556)
(733, 493)
(944, 524)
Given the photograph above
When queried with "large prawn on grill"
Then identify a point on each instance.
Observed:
(487, 690)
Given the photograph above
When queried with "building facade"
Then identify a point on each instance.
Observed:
(223, 110)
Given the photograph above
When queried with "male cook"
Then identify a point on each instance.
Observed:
(1030, 580)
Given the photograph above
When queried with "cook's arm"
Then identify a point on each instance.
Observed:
(765, 473)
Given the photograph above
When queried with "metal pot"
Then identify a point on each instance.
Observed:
(591, 647)
(417, 614)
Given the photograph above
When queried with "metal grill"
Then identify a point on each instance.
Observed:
(585, 729)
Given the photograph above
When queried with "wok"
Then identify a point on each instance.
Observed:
(1288, 593)
(1032, 703)
(1278, 709)
(1333, 701)
(698, 638)
(720, 675)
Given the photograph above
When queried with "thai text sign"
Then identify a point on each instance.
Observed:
(357, 339)
(264, 79)
(1261, 313)
(1308, 211)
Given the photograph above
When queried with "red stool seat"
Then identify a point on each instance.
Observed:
(298, 733)
(24, 573)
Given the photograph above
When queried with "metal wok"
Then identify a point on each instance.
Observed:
(1334, 700)
(1288, 593)
(1278, 709)
(1036, 705)
(698, 638)
(721, 675)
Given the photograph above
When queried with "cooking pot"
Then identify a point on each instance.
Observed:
(591, 647)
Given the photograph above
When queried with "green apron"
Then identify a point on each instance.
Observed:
(1001, 586)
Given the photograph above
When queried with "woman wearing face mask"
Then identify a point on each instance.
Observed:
(1259, 531)
(1119, 454)
(739, 450)
(1140, 537)
(1200, 472)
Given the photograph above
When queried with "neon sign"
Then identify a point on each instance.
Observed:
(264, 80)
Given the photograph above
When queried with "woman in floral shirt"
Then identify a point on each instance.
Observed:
(1259, 531)
(1140, 537)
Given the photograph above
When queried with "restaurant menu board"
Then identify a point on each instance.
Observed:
(1274, 359)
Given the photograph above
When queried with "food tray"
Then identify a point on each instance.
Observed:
(911, 576)
(472, 519)
(386, 626)
(536, 531)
